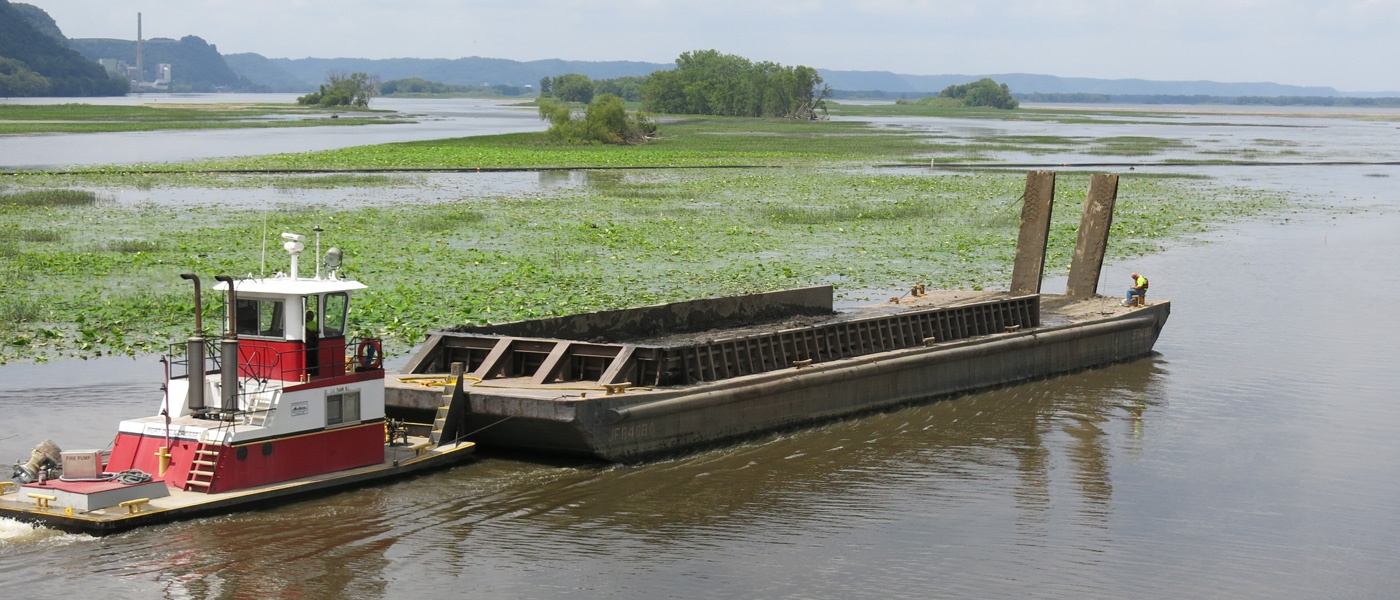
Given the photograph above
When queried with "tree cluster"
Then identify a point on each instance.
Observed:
(983, 92)
(579, 88)
(707, 82)
(570, 87)
(627, 88)
(605, 121)
(341, 89)
(417, 86)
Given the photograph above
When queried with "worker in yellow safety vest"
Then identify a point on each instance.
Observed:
(1139, 289)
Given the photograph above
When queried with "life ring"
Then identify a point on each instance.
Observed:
(369, 354)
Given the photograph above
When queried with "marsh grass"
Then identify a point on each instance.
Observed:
(133, 246)
(39, 235)
(49, 198)
(331, 181)
(90, 118)
(17, 311)
(850, 212)
(445, 217)
(1134, 146)
(688, 142)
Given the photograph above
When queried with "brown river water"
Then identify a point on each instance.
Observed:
(1255, 455)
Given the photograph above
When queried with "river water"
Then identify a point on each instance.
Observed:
(433, 119)
(1255, 455)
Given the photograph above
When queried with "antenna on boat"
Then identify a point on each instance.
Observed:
(294, 245)
(318, 231)
(262, 271)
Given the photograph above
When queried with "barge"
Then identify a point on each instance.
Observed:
(285, 404)
(629, 384)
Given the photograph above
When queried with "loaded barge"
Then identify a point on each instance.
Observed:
(628, 384)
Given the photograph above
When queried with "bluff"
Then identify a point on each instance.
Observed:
(196, 65)
(35, 62)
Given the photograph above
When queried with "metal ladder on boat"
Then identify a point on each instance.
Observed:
(259, 410)
(445, 404)
(440, 421)
(201, 477)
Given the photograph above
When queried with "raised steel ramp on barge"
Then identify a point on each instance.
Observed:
(713, 354)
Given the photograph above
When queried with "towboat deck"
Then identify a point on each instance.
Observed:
(59, 504)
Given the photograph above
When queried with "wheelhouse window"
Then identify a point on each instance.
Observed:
(263, 318)
(343, 408)
(333, 323)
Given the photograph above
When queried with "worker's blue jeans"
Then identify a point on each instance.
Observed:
(1131, 293)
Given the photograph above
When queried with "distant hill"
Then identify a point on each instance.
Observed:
(1022, 83)
(39, 20)
(195, 64)
(460, 71)
(265, 73)
(479, 71)
(33, 62)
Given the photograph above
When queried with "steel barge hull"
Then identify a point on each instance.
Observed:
(636, 398)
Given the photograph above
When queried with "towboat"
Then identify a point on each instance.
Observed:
(284, 404)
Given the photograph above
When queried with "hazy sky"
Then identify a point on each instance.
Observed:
(1351, 45)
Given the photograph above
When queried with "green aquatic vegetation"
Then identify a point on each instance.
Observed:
(39, 235)
(48, 198)
(29, 128)
(89, 118)
(17, 311)
(445, 217)
(1274, 143)
(126, 178)
(1134, 146)
(327, 181)
(692, 142)
(133, 246)
(623, 240)
(147, 112)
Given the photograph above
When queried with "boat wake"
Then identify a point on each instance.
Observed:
(14, 533)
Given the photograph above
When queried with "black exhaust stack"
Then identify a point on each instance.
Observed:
(228, 349)
(194, 352)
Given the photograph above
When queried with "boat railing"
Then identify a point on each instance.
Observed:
(332, 357)
(178, 357)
